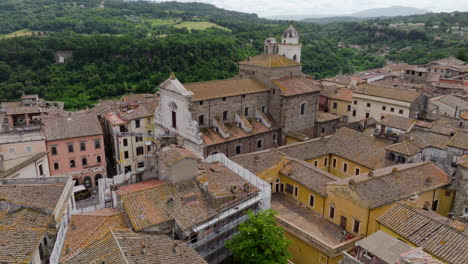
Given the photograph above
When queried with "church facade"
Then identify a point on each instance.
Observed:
(252, 111)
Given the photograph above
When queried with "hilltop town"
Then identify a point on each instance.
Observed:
(370, 167)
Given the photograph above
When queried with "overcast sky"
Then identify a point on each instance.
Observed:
(326, 7)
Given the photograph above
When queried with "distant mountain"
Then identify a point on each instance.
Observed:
(390, 12)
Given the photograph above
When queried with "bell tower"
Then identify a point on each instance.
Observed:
(289, 46)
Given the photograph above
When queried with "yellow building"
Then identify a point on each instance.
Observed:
(442, 238)
(309, 197)
(339, 101)
(356, 203)
(344, 154)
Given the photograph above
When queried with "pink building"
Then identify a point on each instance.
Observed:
(75, 147)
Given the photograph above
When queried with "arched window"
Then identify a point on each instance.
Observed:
(84, 161)
(173, 107)
(56, 166)
(98, 159)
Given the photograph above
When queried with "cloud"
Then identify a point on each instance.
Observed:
(327, 7)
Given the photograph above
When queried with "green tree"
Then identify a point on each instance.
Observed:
(260, 240)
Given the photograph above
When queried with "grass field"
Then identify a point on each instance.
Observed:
(20, 33)
(199, 25)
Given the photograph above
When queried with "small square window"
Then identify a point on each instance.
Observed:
(224, 99)
(392, 109)
(357, 171)
(355, 102)
(384, 108)
(400, 112)
(201, 102)
(368, 104)
(367, 115)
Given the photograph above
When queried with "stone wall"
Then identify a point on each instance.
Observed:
(291, 118)
(461, 197)
(215, 107)
(247, 145)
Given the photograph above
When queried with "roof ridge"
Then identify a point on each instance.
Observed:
(416, 210)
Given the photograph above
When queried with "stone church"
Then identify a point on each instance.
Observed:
(269, 98)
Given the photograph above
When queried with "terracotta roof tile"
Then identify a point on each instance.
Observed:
(323, 117)
(407, 148)
(211, 137)
(311, 177)
(78, 125)
(399, 182)
(296, 85)
(398, 122)
(387, 92)
(20, 234)
(224, 88)
(43, 196)
(427, 230)
(172, 154)
(270, 61)
(87, 228)
(138, 186)
(459, 140)
(260, 161)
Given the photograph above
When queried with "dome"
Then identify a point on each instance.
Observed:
(290, 32)
(270, 40)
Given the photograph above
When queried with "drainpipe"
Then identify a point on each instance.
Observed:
(368, 221)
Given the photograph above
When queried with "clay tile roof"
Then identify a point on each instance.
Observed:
(57, 127)
(223, 182)
(211, 137)
(138, 186)
(323, 117)
(224, 88)
(398, 122)
(20, 234)
(399, 182)
(270, 61)
(87, 228)
(342, 94)
(44, 196)
(259, 161)
(424, 139)
(424, 124)
(387, 92)
(296, 85)
(358, 147)
(163, 203)
(435, 234)
(311, 177)
(459, 140)
(406, 148)
(173, 154)
(154, 249)
(313, 148)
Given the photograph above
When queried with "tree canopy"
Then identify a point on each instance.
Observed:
(259, 241)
